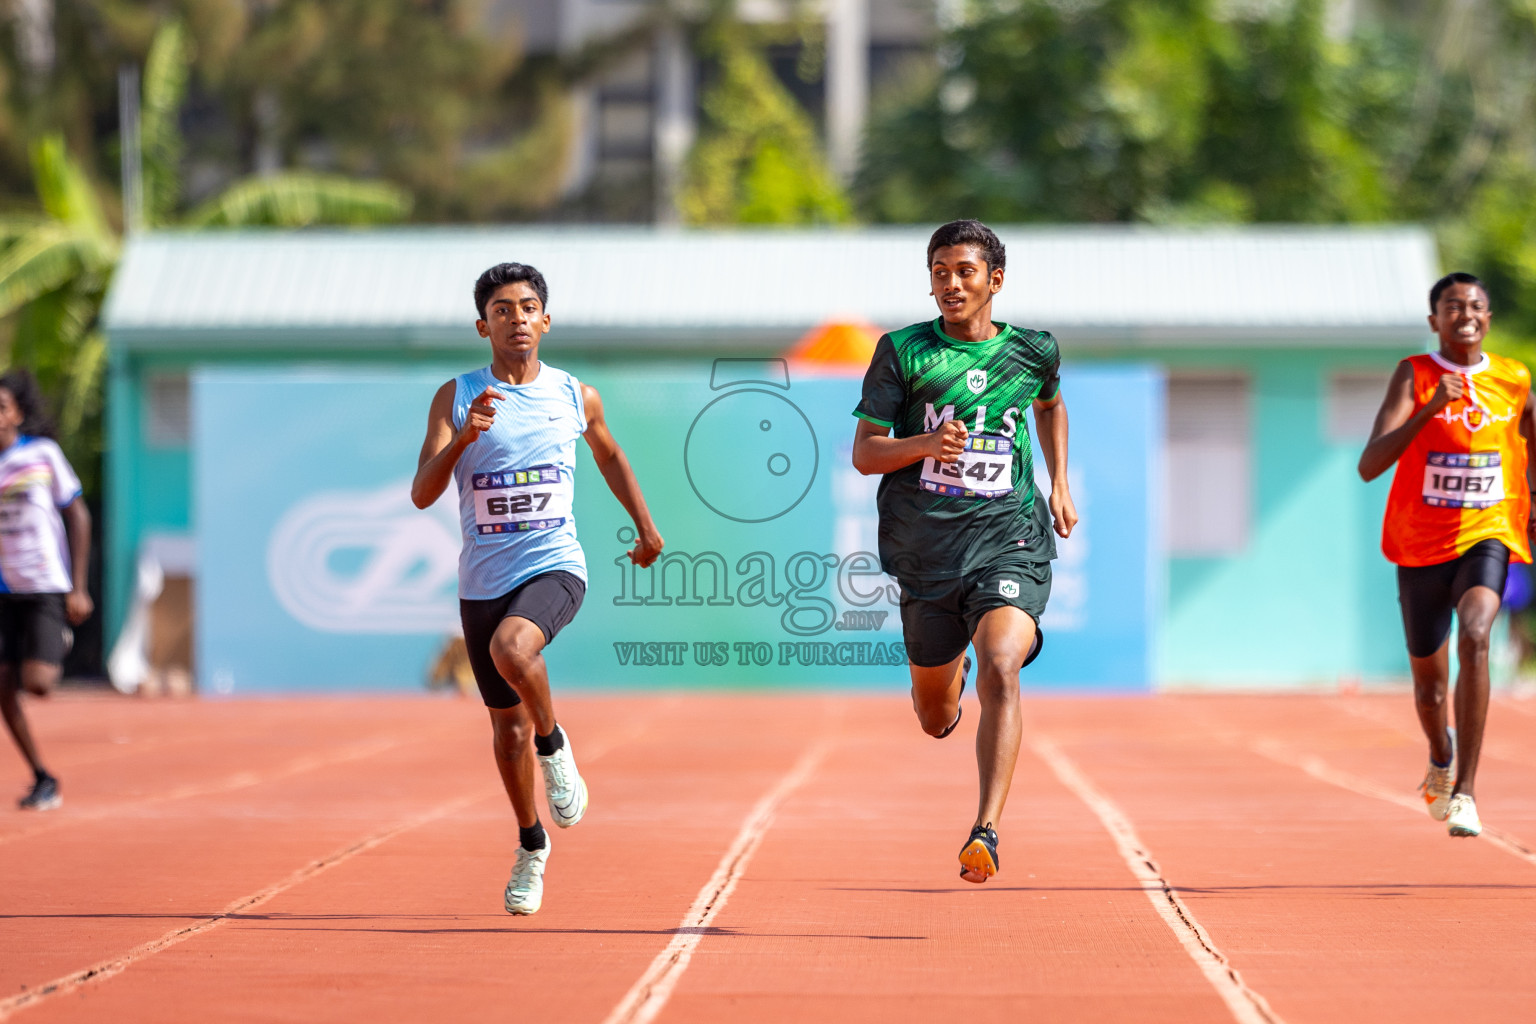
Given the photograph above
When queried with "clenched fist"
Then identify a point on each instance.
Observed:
(948, 441)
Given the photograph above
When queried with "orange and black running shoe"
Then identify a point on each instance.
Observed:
(978, 859)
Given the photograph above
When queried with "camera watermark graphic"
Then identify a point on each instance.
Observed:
(751, 454)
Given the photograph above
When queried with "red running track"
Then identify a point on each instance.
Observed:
(762, 858)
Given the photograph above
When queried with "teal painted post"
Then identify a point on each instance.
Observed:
(121, 500)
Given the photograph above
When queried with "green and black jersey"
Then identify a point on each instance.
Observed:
(941, 521)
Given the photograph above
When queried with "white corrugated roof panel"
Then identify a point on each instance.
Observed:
(1125, 281)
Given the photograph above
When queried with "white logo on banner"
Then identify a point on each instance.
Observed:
(367, 562)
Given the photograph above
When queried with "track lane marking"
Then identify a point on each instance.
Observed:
(309, 762)
(229, 784)
(1321, 770)
(1494, 749)
(1245, 1005)
(649, 994)
(109, 968)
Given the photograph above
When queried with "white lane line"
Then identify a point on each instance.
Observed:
(118, 964)
(229, 784)
(650, 993)
(1362, 786)
(1246, 1005)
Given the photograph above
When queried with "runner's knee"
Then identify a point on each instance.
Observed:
(1431, 696)
(515, 658)
(935, 716)
(998, 677)
(1473, 639)
(40, 682)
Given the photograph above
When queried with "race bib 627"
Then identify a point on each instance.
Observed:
(536, 498)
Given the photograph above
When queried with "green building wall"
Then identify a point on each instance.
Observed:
(1309, 600)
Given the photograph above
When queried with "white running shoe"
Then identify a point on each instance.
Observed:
(525, 892)
(1462, 819)
(1438, 783)
(563, 785)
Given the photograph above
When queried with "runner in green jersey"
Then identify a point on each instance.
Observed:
(961, 525)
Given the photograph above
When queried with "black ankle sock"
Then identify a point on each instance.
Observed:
(42, 773)
(532, 837)
(547, 745)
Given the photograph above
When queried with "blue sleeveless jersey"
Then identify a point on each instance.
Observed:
(516, 482)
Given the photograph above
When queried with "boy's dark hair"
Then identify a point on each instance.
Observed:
(1457, 278)
(509, 273)
(23, 387)
(970, 232)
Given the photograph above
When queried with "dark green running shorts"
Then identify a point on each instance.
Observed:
(938, 617)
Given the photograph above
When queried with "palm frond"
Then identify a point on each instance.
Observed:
(15, 226)
(165, 87)
(45, 259)
(65, 191)
(82, 388)
(298, 199)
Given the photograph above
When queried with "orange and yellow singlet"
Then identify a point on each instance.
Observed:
(1462, 479)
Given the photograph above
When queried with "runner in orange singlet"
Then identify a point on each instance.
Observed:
(1459, 423)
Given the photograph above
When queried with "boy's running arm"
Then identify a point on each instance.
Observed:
(441, 450)
(1397, 424)
(77, 525)
(876, 452)
(614, 465)
(1051, 426)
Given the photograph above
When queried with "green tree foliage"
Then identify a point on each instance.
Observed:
(426, 94)
(1117, 111)
(1201, 111)
(54, 272)
(55, 267)
(757, 160)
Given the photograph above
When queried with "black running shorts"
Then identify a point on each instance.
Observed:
(32, 628)
(939, 617)
(549, 601)
(1429, 594)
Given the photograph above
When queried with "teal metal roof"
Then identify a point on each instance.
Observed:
(621, 286)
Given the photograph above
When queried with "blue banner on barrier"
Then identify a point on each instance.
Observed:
(316, 572)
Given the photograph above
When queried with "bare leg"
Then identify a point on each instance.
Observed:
(1478, 608)
(517, 649)
(1003, 640)
(1430, 677)
(512, 742)
(37, 677)
(936, 695)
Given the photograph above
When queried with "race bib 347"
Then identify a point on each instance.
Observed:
(983, 470)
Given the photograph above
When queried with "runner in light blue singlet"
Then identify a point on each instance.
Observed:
(515, 531)
(506, 433)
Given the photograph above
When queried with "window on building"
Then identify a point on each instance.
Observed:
(1209, 464)
(1351, 403)
(167, 410)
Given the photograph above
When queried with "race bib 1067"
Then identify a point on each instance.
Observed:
(983, 470)
(519, 500)
(1457, 480)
